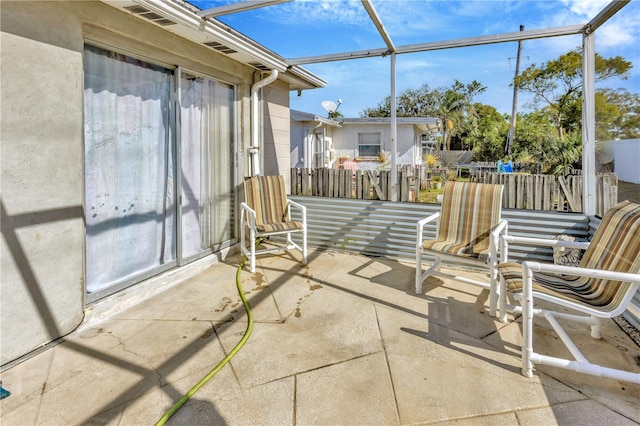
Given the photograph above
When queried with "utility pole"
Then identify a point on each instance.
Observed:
(514, 108)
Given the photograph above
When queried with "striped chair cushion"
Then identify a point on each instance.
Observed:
(268, 197)
(614, 247)
(469, 212)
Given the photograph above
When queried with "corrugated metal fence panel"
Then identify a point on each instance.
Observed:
(388, 229)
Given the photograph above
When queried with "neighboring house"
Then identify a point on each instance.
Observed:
(312, 140)
(361, 139)
(127, 130)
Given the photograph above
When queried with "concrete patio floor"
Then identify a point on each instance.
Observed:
(343, 340)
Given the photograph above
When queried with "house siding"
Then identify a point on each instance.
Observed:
(277, 132)
(42, 291)
(42, 260)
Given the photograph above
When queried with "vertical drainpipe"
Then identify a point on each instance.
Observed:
(312, 152)
(588, 123)
(394, 132)
(254, 149)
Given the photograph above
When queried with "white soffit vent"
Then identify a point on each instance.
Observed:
(259, 66)
(150, 15)
(220, 47)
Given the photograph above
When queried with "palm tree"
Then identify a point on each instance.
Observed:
(456, 107)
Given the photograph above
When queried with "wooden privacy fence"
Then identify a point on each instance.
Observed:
(521, 191)
(359, 184)
(546, 192)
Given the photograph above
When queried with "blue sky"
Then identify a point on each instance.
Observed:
(317, 27)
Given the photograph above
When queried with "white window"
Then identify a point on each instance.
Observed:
(427, 143)
(369, 144)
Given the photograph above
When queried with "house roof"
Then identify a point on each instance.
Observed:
(305, 116)
(422, 123)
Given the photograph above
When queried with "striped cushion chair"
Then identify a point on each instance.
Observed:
(601, 286)
(265, 212)
(467, 231)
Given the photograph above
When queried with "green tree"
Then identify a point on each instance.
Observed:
(453, 106)
(487, 140)
(456, 110)
(617, 114)
(537, 141)
(557, 85)
(422, 102)
(334, 115)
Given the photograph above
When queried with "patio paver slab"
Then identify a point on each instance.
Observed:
(342, 340)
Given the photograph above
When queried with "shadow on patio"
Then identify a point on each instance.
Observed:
(342, 340)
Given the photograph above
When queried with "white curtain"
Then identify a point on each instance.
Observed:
(223, 161)
(207, 141)
(195, 102)
(129, 167)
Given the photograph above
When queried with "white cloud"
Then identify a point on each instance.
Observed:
(616, 34)
(325, 12)
(585, 8)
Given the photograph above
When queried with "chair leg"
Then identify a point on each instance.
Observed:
(502, 297)
(243, 241)
(596, 327)
(494, 291)
(418, 271)
(304, 246)
(527, 335)
(252, 252)
(436, 264)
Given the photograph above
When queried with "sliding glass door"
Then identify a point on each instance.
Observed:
(207, 156)
(136, 225)
(129, 168)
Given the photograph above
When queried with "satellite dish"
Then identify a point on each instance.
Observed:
(329, 106)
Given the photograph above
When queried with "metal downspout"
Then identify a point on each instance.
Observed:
(309, 140)
(254, 149)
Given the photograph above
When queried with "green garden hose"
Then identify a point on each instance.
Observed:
(222, 363)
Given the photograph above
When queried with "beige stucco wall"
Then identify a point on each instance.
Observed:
(276, 131)
(41, 269)
(345, 139)
(41, 263)
(299, 132)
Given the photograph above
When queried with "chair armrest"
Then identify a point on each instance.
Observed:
(545, 242)
(303, 210)
(527, 286)
(501, 228)
(244, 208)
(584, 272)
(505, 240)
(299, 206)
(494, 241)
(420, 227)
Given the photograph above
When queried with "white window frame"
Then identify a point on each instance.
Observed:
(373, 135)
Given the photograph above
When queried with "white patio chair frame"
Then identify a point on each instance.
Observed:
(528, 294)
(498, 229)
(249, 220)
